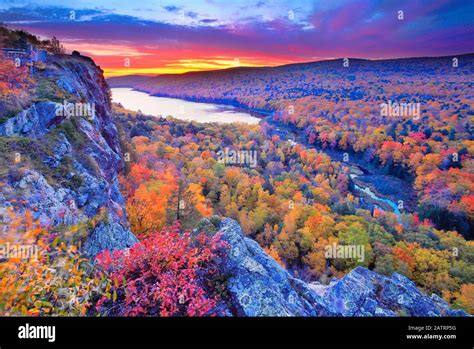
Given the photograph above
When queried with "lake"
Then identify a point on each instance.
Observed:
(180, 109)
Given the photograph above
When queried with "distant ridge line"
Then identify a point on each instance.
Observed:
(143, 77)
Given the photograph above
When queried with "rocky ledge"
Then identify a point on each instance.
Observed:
(259, 286)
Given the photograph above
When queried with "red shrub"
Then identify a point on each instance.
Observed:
(13, 80)
(165, 274)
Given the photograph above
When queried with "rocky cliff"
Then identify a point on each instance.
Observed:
(62, 163)
(259, 286)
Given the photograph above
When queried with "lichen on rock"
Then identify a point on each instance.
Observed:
(259, 286)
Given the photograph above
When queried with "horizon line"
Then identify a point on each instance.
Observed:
(281, 65)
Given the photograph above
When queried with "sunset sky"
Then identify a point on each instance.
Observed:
(178, 36)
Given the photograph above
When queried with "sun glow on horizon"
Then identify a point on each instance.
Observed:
(183, 66)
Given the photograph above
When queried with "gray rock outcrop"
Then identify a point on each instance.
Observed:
(259, 286)
(73, 176)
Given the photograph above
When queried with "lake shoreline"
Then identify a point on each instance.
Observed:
(404, 190)
(163, 106)
(260, 113)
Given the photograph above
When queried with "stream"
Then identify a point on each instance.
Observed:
(368, 192)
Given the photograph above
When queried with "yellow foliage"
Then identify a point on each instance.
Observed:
(56, 281)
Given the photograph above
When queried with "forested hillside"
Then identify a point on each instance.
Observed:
(337, 105)
(294, 203)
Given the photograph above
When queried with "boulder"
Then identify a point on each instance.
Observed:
(257, 284)
(51, 206)
(108, 235)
